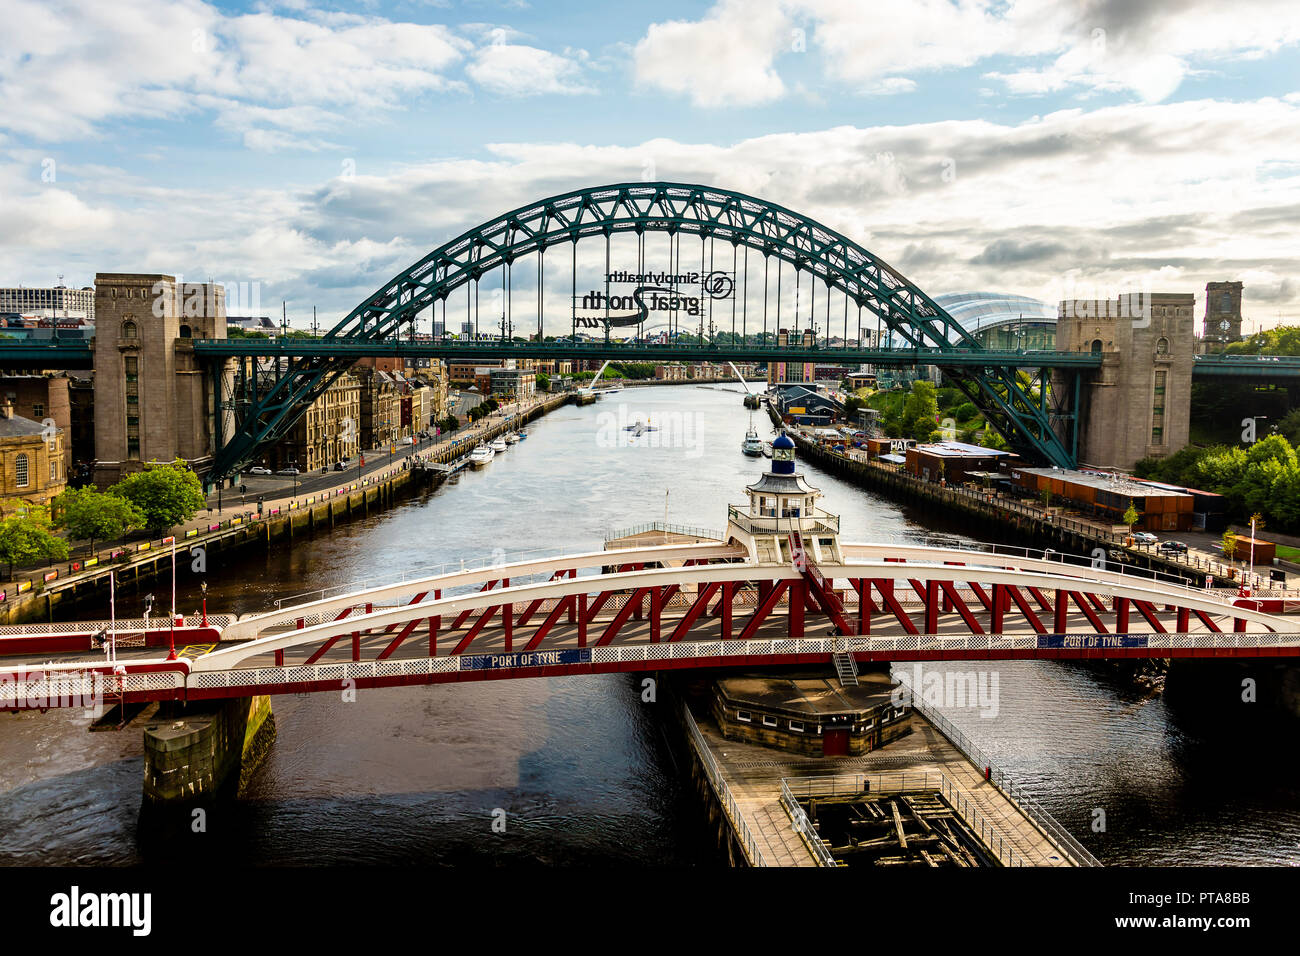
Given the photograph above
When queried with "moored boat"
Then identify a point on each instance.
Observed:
(481, 455)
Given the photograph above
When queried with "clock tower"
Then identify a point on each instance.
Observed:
(1222, 314)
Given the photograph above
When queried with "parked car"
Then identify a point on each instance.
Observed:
(406, 441)
(259, 470)
(1144, 537)
(340, 465)
(289, 472)
(1173, 547)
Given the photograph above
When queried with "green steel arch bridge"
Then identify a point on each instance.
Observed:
(277, 380)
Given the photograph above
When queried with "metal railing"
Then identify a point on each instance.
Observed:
(823, 522)
(665, 528)
(723, 791)
(994, 840)
(1010, 787)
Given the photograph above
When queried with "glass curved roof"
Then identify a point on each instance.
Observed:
(982, 310)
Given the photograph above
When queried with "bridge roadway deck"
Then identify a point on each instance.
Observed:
(754, 775)
(491, 639)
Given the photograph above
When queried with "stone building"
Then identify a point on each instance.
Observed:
(1139, 402)
(41, 397)
(381, 407)
(153, 399)
(328, 432)
(32, 465)
(1222, 314)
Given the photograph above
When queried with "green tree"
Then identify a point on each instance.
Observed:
(919, 411)
(1229, 544)
(25, 538)
(89, 513)
(167, 495)
(1131, 516)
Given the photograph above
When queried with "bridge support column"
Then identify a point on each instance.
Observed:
(1121, 615)
(798, 599)
(434, 623)
(656, 613)
(863, 587)
(196, 751)
(1059, 622)
(728, 598)
(581, 604)
(999, 608)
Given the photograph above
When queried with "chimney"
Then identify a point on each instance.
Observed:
(8, 408)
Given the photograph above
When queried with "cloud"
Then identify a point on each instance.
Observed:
(512, 69)
(83, 65)
(1142, 47)
(1072, 204)
(724, 59)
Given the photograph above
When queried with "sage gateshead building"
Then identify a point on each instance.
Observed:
(1002, 321)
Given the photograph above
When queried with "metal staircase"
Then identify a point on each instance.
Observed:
(846, 668)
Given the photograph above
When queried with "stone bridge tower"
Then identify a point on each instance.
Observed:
(153, 399)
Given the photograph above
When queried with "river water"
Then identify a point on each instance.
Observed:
(579, 769)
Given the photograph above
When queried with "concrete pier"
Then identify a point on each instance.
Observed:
(751, 777)
(196, 751)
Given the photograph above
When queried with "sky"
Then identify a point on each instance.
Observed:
(313, 150)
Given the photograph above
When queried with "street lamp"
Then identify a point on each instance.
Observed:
(203, 587)
(148, 606)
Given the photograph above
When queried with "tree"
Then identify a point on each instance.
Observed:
(1229, 544)
(919, 411)
(1131, 516)
(25, 538)
(90, 513)
(167, 495)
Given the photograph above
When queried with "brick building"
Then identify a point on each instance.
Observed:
(31, 461)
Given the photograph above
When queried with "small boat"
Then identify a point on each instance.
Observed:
(752, 445)
(512, 439)
(481, 455)
(767, 449)
(498, 444)
(522, 433)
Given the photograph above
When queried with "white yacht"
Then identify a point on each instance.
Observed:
(498, 444)
(752, 445)
(481, 455)
(512, 439)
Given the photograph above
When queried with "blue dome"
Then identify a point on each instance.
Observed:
(783, 441)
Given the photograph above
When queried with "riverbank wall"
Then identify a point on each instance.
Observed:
(278, 525)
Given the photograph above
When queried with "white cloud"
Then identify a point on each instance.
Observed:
(727, 58)
(82, 65)
(513, 69)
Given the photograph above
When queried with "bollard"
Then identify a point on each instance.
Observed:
(988, 772)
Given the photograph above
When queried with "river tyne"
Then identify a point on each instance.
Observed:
(585, 771)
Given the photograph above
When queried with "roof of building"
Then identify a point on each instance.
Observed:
(1119, 484)
(977, 311)
(18, 427)
(958, 449)
(775, 484)
(783, 441)
(813, 697)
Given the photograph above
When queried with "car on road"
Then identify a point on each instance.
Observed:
(340, 464)
(259, 470)
(289, 472)
(1144, 537)
(1172, 547)
(406, 441)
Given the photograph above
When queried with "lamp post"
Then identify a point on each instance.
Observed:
(203, 587)
(171, 630)
(148, 606)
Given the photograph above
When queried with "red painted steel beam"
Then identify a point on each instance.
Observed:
(765, 607)
(560, 607)
(1149, 612)
(1025, 609)
(886, 588)
(1208, 621)
(701, 602)
(476, 628)
(1086, 607)
(621, 617)
(402, 635)
(956, 602)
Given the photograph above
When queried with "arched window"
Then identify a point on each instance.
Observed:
(1096, 346)
(185, 332)
(1162, 346)
(20, 471)
(130, 331)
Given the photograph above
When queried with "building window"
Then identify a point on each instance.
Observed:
(1162, 346)
(1096, 346)
(744, 716)
(38, 410)
(185, 332)
(769, 721)
(796, 726)
(130, 331)
(54, 469)
(20, 471)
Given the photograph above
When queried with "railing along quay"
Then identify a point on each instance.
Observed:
(723, 791)
(1010, 787)
(883, 783)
